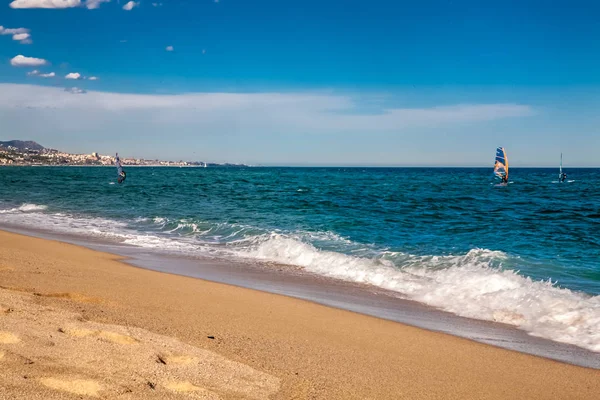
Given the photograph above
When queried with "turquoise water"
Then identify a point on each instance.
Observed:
(525, 254)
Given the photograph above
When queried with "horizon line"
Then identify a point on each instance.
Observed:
(244, 165)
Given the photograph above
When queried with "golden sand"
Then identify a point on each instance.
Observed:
(76, 322)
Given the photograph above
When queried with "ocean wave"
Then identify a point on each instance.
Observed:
(32, 207)
(475, 285)
(95, 227)
(472, 285)
(26, 207)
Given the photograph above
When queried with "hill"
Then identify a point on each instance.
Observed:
(22, 145)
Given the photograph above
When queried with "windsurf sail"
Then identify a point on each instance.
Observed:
(560, 173)
(501, 164)
(121, 175)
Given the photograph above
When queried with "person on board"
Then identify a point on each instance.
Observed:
(504, 178)
(122, 176)
(563, 177)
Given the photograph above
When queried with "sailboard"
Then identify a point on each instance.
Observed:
(561, 175)
(121, 175)
(501, 165)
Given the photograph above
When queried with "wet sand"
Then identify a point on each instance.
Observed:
(79, 323)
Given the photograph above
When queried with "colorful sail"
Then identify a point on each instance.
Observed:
(121, 175)
(501, 164)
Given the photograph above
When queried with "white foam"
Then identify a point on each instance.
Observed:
(26, 207)
(159, 220)
(472, 285)
(32, 207)
(101, 228)
(156, 242)
(466, 285)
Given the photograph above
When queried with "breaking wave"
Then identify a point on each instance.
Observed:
(478, 284)
(26, 207)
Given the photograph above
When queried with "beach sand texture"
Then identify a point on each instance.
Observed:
(76, 323)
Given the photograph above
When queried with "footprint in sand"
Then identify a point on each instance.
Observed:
(105, 335)
(69, 296)
(189, 388)
(8, 338)
(81, 387)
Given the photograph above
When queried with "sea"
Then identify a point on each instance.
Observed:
(526, 254)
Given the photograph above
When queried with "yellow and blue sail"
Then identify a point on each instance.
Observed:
(501, 164)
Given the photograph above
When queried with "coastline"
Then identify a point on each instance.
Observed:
(290, 348)
(356, 297)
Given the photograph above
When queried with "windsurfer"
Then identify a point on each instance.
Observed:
(120, 173)
(501, 165)
(563, 177)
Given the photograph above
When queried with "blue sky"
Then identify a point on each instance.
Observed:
(306, 82)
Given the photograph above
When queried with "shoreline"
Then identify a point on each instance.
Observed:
(287, 348)
(343, 295)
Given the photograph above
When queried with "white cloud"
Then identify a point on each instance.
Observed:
(35, 72)
(74, 90)
(73, 75)
(20, 34)
(156, 4)
(45, 3)
(169, 48)
(57, 4)
(304, 111)
(22, 61)
(15, 31)
(130, 5)
(363, 121)
(22, 37)
(94, 4)
(93, 78)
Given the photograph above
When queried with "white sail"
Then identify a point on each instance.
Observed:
(560, 174)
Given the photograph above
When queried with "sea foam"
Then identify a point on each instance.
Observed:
(474, 285)
(26, 207)
(467, 285)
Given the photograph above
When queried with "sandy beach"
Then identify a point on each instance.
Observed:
(76, 323)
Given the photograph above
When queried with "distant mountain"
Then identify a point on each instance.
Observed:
(23, 145)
